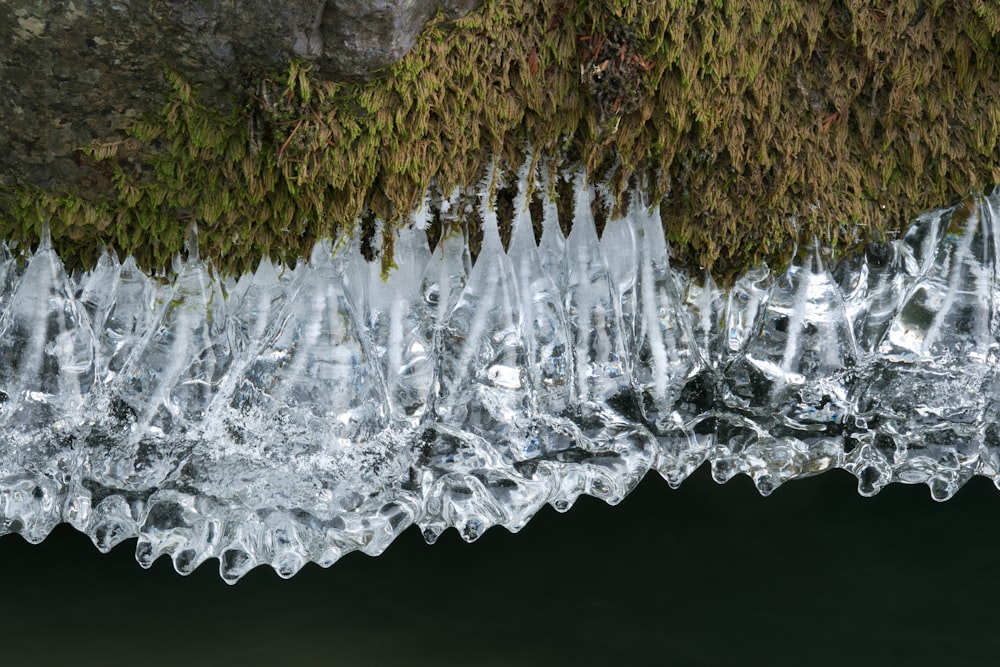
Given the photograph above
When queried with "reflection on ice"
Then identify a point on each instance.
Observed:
(295, 415)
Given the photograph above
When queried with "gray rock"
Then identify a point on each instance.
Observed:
(361, 35)
(74, 71)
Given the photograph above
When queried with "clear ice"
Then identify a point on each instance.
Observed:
(293, 415)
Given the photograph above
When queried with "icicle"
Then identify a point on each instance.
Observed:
(294, 415)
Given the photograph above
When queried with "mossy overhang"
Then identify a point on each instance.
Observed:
(757, 126)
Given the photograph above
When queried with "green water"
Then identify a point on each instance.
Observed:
(707, 574)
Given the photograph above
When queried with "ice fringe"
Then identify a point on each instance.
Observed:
(296, 415)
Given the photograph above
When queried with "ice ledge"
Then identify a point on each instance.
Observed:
(297, 415)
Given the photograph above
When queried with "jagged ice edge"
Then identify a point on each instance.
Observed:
(295, 415)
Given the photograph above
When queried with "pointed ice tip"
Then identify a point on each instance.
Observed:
(488, 214)
(323, 251)
(525, 183)
(44, 237)
(266, 269)
(191, 242)
(583, 197)
(816, 256)
(523, 233)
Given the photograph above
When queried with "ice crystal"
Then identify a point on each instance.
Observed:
(294, 415)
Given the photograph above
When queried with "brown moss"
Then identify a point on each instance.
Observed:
(759, 124)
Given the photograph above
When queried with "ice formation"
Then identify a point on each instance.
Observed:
(295, 415)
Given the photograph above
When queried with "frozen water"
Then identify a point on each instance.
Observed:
(297, 414)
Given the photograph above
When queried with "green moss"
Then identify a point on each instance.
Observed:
(760, 124)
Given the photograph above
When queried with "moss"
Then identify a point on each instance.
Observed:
(759, 124)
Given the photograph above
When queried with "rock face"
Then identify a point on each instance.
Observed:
(74, 72)
(358, 36)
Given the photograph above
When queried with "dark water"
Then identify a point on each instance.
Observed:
(707, 574)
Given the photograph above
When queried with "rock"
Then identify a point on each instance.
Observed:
(75, 72)
(359, 36)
